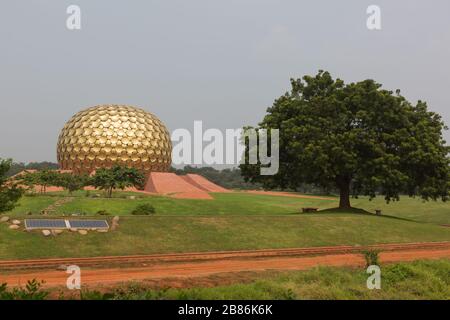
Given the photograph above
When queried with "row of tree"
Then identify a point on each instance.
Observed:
(45, 178)
(230, 178)
(106, 179)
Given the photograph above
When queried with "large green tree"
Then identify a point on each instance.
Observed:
(117, 177)
(358, 138)
(10, 193)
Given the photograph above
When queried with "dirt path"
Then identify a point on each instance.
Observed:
(160, 270)
(52, 208)
(212, 255)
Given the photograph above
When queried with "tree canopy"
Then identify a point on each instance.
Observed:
(357, 137)
(71, 182)
(10, 193)
(117, 177)
(43, 179)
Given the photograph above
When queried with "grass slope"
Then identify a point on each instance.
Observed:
(408, 208)
(223, 204)
(165, 234)
(33, 204)
(231, 221)
(437, 212)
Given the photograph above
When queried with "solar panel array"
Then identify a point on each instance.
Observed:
(88, 224)
(45, 224)
(65, 224)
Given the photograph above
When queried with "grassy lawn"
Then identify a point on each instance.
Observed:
(165, 234)
(231, 221)
(34, 204)
(222, 204)
(436, 212)
(413, 280)
(408, 208)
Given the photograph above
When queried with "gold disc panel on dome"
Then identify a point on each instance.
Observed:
(105, 135)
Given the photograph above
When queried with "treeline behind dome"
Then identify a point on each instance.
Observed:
(17, 167)
(228, 178)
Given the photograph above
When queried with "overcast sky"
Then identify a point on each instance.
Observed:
(223, 62)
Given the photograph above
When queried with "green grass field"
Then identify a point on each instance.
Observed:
(223, 204)
(238, 203)
(414, 280)
(230, 221)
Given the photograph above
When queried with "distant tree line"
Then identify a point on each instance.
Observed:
(228, 178)
(17, 167)
(232, 179)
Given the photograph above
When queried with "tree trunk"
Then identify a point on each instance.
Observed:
(344, 193)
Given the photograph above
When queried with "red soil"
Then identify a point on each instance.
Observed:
(171, 184)
(203, 183)
(189, 269)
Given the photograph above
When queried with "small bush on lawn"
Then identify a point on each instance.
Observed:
(143, 210)
(103, 213)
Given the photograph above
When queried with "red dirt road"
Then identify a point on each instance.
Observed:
(189, 269)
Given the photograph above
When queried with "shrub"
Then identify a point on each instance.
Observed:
(371, 257)
(32, 291)
(143, 210)
(103, 213)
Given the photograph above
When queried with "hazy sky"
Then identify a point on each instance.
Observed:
(223, 62)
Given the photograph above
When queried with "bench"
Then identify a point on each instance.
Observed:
(309, 209)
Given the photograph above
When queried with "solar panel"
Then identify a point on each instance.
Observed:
(65, 224)
(45, 224)
(88, 224)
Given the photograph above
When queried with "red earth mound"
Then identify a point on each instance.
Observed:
(168, 183)
(203, 183)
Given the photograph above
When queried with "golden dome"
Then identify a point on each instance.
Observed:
(105, 135)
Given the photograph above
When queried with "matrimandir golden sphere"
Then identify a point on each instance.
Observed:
(105, 135)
